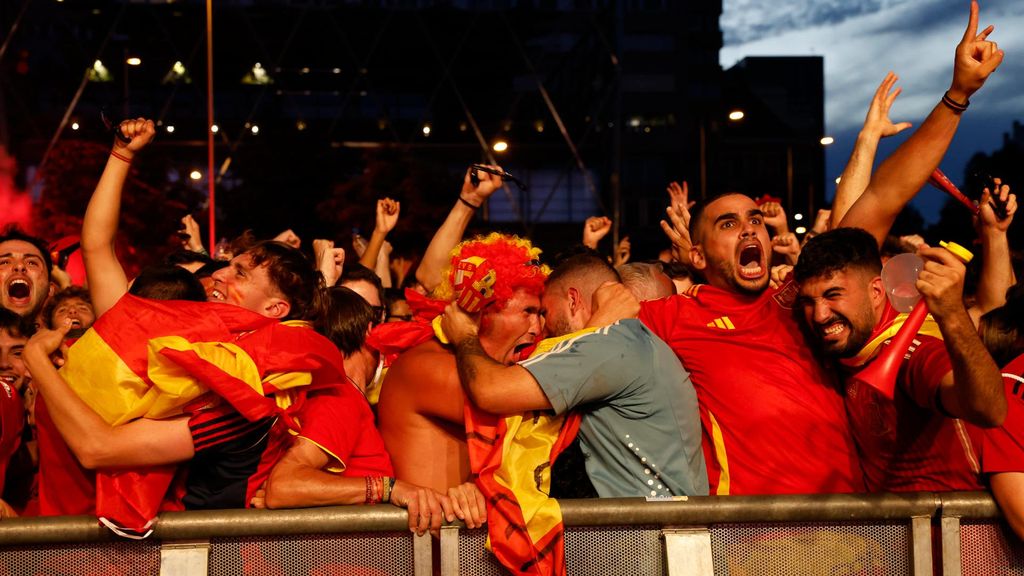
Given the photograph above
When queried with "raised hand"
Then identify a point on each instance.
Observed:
(191, 228)
(779, 274)
(677, 229)
(775, 217)
(679, 195)
(329, 260)
(877, 123)
(594, 229)
(139, 132)
(941, 281)
(987, 220)
(387, 214)
(289, 237)
(488, 183)
(821, 221)
(976, 58)
(787, 246)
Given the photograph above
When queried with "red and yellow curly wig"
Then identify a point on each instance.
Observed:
(513, 259)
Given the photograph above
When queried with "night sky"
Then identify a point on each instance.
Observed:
(861, 40)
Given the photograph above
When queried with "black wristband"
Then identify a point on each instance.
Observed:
(466, 202)
(953, 104)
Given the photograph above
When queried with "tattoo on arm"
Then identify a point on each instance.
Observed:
(470, 358)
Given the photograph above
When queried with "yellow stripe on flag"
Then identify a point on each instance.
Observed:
(91, 367)
(526, 456)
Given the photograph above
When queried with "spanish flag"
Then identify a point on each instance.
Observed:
(512, 457)
(148, 359)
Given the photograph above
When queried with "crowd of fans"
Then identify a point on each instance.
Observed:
(265, 376)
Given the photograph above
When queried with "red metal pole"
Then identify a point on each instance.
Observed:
(210, 175)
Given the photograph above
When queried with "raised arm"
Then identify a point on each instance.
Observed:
(877, 125)
(387, 218)
(96, 444)
(973, 390)
(329, 260)
(594, 229)
(907, 169)
(450, 233)
(676, 229)
(996, 266)
(107, 280)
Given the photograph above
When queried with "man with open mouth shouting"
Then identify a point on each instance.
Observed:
(773, 418)
(422, 405)
(24, 273)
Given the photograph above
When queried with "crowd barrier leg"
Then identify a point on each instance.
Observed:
(921, 545)
(423, 555)
(951, 546)
(688, 552)
(449, 551)
(185, 558)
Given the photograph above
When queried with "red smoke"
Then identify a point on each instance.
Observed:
(15, 204)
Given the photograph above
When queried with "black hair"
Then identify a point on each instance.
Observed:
(584, 265)
(1002, 329)
(13, 232)
(697, 212)
(179, 257)
(15, 325)
(346, 321)
(836, 250)
(357, 272)
(167, 283)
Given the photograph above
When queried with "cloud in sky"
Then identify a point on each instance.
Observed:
(749, 20)
(861, 40)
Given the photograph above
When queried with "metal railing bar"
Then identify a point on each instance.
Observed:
(969, 504)
(730, 509)
(696, 511)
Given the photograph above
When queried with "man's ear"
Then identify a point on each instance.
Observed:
(277, 308)
(575, 299)
(697, 257)
(876, 291)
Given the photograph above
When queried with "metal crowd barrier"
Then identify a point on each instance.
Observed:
(954, 534)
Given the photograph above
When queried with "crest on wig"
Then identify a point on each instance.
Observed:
(489, 269)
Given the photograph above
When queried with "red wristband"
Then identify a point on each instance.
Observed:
(120, 157)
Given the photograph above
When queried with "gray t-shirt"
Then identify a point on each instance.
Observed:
(640, 431)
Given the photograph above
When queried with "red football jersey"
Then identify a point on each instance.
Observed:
(12, 421)
(1001, 449)
(341, 423)
(907, 444)
(773, 418)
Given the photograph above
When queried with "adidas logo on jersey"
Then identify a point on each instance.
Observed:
(724, 323)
